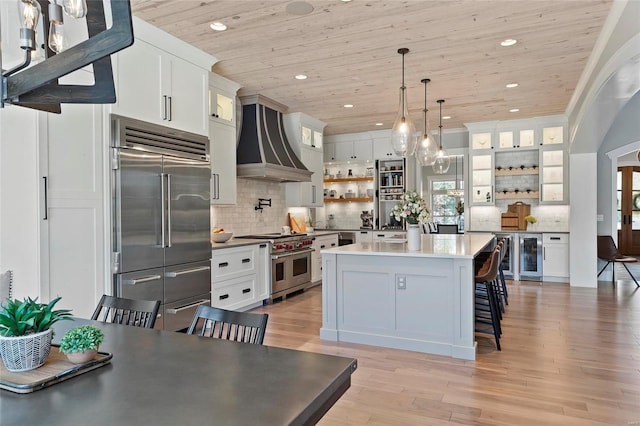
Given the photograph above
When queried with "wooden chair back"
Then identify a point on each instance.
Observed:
(230, 325)
(118, 310)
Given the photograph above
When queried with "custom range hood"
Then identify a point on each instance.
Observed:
(263, 150)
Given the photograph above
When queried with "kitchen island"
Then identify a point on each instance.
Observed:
(382, 294)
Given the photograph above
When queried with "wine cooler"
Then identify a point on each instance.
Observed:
(531, 257)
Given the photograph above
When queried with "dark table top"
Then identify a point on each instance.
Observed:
(159, 377)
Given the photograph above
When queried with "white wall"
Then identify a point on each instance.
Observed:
(582, 219)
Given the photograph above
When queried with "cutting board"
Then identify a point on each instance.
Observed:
(297, 223)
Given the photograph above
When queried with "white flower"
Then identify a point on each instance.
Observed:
(412, 208)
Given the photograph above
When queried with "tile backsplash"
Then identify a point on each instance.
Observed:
(243, 218)
(550, 218)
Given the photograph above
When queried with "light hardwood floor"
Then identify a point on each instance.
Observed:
(570, 356)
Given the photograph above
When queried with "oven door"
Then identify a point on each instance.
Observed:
(290, 269)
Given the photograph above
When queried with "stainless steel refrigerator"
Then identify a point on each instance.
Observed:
(161, 223)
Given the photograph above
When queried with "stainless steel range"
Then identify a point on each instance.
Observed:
(290, 263)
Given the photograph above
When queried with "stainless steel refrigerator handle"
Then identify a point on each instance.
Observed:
(142, 280)
(169, 209)
(187, 271)
(280, 256)
(189, 306)
(162, 204)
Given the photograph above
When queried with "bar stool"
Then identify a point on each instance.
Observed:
(503, 253)
(487, 305)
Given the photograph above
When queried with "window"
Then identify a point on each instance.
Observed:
(443, 206)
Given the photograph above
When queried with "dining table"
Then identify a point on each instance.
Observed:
(168, 378)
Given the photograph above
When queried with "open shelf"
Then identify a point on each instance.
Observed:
(517, 195)
(349, 200)
(349, 179)
(517, 171)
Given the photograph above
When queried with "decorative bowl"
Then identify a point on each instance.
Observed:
(221, 237)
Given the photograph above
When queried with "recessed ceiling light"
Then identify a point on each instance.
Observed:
(348, 106)
(508, 42)
(514, 110)
(218, 26)
(446, 117)
(345, 1)
(379, 124)
(301, 77)
(512, 85)
(299, 8)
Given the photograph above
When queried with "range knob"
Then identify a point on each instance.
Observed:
(278, 246)
(289, 246)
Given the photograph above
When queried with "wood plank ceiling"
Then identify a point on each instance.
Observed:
(348, 50)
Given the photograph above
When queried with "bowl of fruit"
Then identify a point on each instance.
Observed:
(218, 235)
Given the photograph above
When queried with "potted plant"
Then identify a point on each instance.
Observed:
(81, 344)
(530, 219)
(25, 332)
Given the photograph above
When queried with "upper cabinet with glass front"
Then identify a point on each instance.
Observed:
(553, 162)
(517, 141)
(306, 130)
(222, 100)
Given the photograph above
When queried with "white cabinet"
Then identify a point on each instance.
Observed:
(222, 145)
(555, 257)
(383, 235)
(364, 237)
(307, 194)
(305, 136)
(382, 149)
(348, 151)
(156, 86)
(238, 278)
(320, 242)
(222, 139)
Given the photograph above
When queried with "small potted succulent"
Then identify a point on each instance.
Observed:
(25, 332)
(81, 344)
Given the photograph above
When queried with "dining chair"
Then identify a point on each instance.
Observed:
(608, 252)
(118, 310)
(230, 325)
(447, 228)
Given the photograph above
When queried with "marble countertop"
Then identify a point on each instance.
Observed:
(432, 245)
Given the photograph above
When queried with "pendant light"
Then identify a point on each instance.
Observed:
(427, 149)
(457, 192)
(441, 165)
(403, 133)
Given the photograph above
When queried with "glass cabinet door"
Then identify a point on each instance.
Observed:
(482, 179)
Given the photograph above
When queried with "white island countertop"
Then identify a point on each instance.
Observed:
(432, 245)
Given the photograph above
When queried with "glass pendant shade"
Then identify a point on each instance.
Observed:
(75, 8)
(427, 148)
(56, 36)
(28, 16)
(442, 162)
(403, 133)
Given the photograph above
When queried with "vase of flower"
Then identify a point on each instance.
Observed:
(412, 208)
(413, 237)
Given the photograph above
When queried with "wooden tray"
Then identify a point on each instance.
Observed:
(56, 369)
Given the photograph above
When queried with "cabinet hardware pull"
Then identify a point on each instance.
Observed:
(224, 296)
(189, 306)
(169, 209)
(135, 281)
(322, 246)
(187, 271)
(170, 108)
(247, 260)
(246, 290)
(333, 244)
(46, 199)
(223, 264)
(263, 245)
(164, 107)
(554, 238)
(162, 216)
